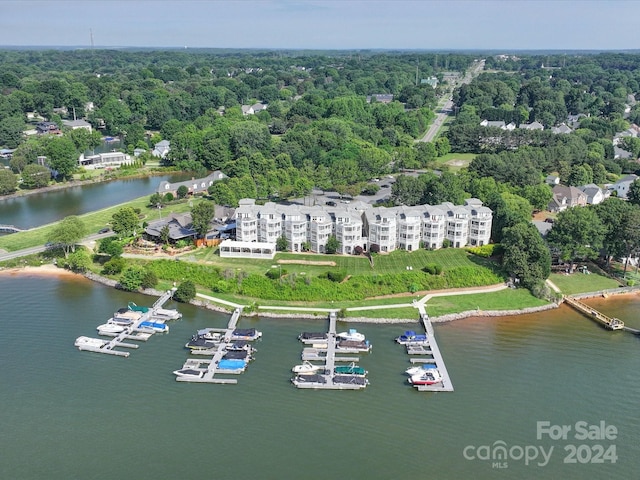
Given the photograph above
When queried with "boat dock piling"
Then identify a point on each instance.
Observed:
(602, 319)
(325, 351)
(130, 332)
(432, 355)
(212, 364)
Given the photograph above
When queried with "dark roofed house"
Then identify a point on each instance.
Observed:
(47, 127)
(180, 227)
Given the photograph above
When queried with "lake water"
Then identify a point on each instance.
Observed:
(70, 414)
(41, 208)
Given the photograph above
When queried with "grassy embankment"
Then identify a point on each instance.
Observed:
(581, 283)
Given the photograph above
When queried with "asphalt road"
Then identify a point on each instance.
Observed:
(447, 108)
(41, 248)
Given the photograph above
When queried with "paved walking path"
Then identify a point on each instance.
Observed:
(414, 303)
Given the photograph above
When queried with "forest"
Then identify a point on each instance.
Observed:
(320, 124)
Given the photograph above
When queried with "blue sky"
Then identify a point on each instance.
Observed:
(324, 24)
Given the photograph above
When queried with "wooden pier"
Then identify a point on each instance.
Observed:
(10, 229)
(602, 319)
(212, 364)
(130, 332)
(326, 352)
(431, 354)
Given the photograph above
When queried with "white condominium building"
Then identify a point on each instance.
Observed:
(362, 225)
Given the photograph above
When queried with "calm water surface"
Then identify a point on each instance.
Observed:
(46, 207)
(70, 414)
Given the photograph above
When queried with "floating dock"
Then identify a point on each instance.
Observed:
(430, 353)
(592, 313)
(130, 332)
(209, 372)
(327, 353)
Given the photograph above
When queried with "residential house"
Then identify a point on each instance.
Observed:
(253, 109)
(433, 81)
(594, 193)
(200, 185)
(380, 97)
(161, 149)
(104, 160)
(180, 227)
(562, 128)
(621, 187)
(566, 197)
(44, 128)
(621, 153)
(532, 126)
(552, 180)
(494, 123)
(75, 124)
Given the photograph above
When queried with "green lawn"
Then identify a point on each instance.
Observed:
(395, 262)
(581, 283)
(94, 221)
(509, 299)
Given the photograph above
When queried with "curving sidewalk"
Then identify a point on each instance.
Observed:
(418, 304)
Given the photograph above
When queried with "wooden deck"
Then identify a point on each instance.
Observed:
(592, 313)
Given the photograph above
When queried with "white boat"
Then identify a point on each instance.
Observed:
(306, 367)
(210, 334)
(352, 335)
(428, 377)
(166, 314)
(419, 370)
(107, 328)
(90, 342)
(189, 372)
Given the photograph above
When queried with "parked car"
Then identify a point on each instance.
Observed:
(104, 230)
(331, 203)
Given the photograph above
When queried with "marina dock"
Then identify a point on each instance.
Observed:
(325, 352)
(209, 367)
(430, 353)
(600, 318)
(134, 331)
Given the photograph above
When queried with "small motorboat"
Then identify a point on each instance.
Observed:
(419, 370)
(209, 334)
(199, 343)
(311, 337)
(238, 355)
(248, 334)
(110, 328)
(306, 367)
(154, 326)
(90, 342)
(428, 377)
(232, 366)
(189, 372)
(352, 335)
(166, 314)
(309, 380)
(351, 369)
(351, 380)
(412, 338)
(240, 346)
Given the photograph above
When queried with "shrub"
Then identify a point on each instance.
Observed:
(336, 275)
(446, 243)
(358, 250)
(168, 197)
(114, 266)
(150, 280)
(432, 269)
(131, 278)
(111, 246)
(485, 251)
(374, 248)
(186, 291)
